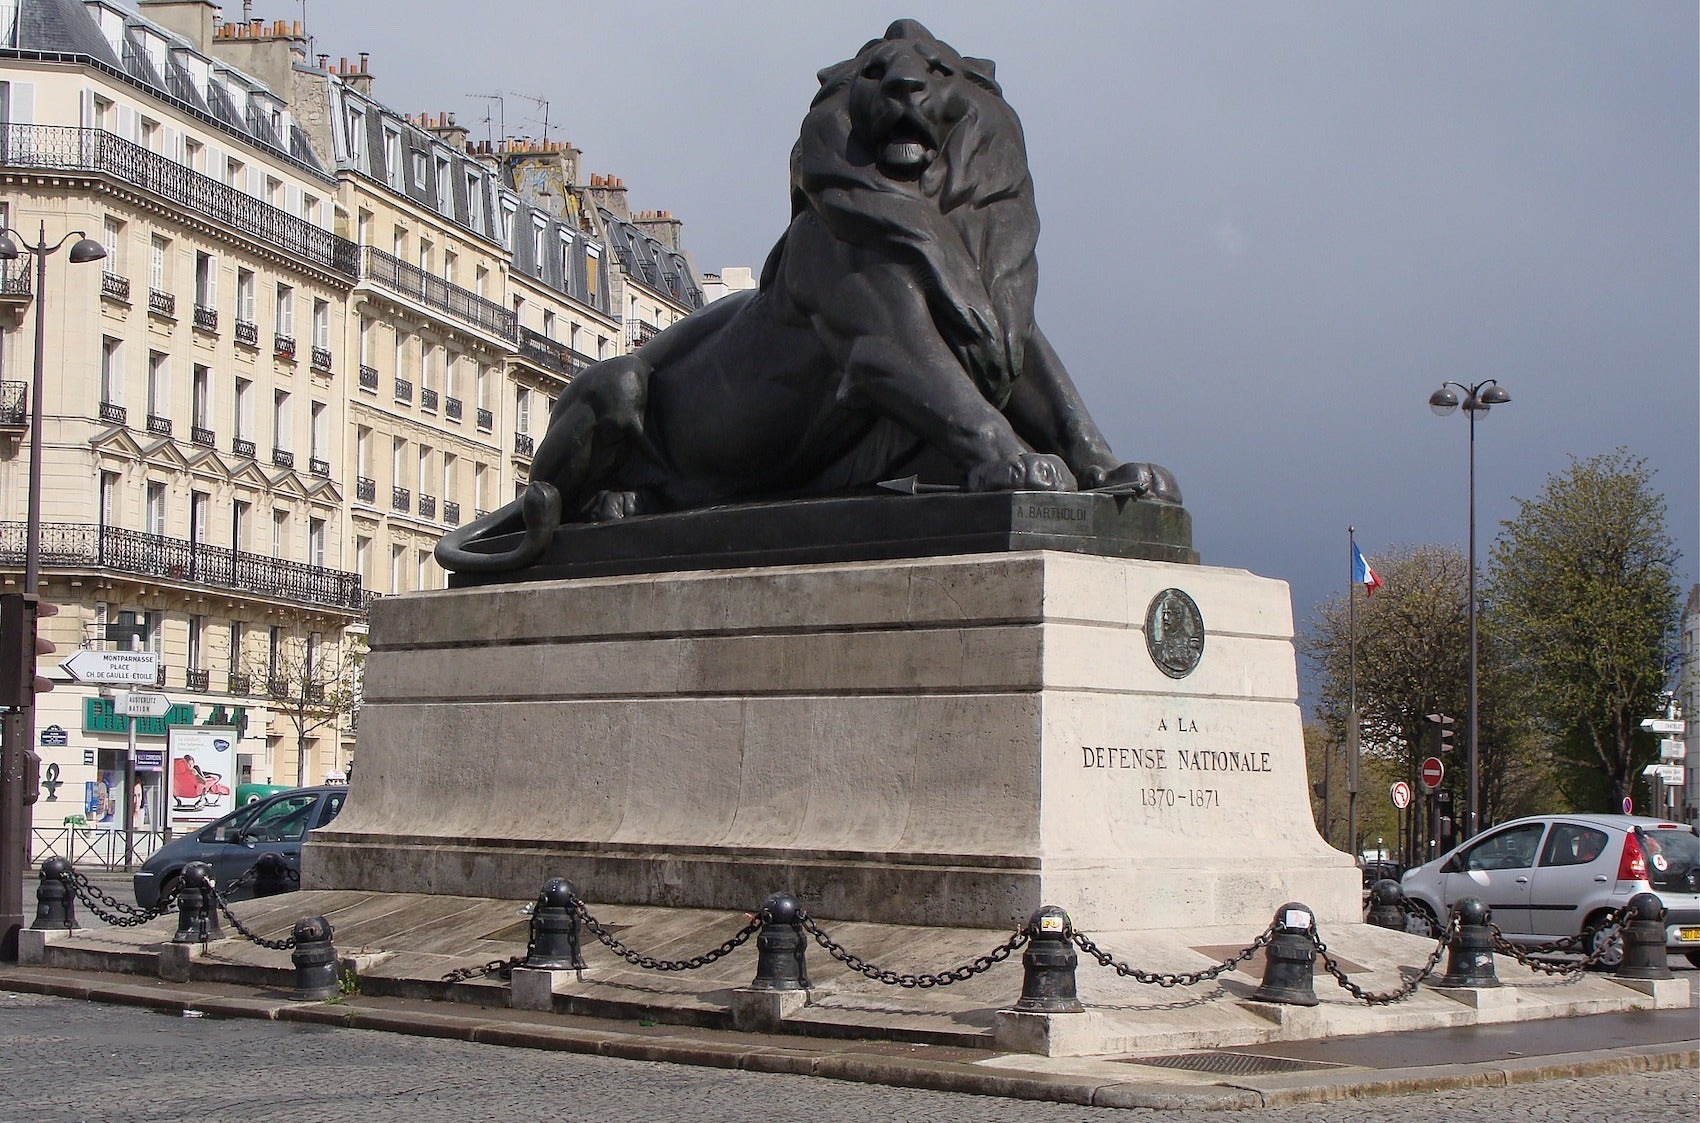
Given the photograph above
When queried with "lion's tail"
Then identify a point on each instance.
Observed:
(537, 512)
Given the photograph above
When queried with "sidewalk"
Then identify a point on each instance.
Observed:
(1203, 1047)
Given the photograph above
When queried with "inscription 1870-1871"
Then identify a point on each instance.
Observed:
(1177, 767)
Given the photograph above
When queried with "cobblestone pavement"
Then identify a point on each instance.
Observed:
(64, 1061)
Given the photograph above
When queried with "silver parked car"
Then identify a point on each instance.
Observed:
(1552, 876)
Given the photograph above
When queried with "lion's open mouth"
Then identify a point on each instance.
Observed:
(908, 148)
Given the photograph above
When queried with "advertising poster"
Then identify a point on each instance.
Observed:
(101, 801)
(200, 765)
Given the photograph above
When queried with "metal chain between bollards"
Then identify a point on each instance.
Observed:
(979, 965)
(501, 968)
(1525, 954)
(121, 914)
(285, 944)
(1385, 998)
(650, 963)
(1172, 979)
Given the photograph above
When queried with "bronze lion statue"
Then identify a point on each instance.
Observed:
(892, 334)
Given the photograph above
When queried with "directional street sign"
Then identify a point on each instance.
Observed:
(1662, 724)
(137, 704)
(114, 668)
(1670, 774)
(1673, 748)
(1432, 773)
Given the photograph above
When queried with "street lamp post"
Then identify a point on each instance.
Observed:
(1478, 398)
(19, 726)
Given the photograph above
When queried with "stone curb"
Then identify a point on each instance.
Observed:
(864, 1067)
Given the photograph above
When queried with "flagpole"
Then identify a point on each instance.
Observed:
(1352, 678)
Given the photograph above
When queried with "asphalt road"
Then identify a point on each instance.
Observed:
(63, 1061)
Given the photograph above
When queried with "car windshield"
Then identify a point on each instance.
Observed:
(1673, 859)
(283, 820)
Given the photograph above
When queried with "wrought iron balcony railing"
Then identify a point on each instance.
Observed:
(403, 390)
(427, 399)
(282, 458)
(198, 680)
(159, 426)
(427, 506)
(486, 419)
(16, 279)
(451, 512)
(240, 684)
(319, 467)
(365, 489)
(112, 414)
(639, 333)
(14, 405)
(368, 377)
(523, 444)
(89, 546)
(247, 333)
(162, 304)
(539, 349)
(283, 346)
(452, 408)
(100, 152)
(322, 359)
(114, 287)
(206, 318)
(390, 272)
(242, 446)
(401, 499)
(201, 435)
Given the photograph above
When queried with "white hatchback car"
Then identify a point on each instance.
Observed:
(1552, 876)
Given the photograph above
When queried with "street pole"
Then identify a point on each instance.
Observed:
(1352, 690)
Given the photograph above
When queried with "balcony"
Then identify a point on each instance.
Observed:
(201, 435)
(639, 333)
(401, 500)
(486, 419)
(317, 467)
(112, 414)
(14, 405)
(206, 319)
(162, 304)
(368, 377)
(241, 446)
(97, 151)
(403, 390)
(152, 557)
(427, 506)
(365, 489)
(451, 512)
(539, 350)
(159, 426)
(523, 444)
(452, 409)
(198, 681)
(114, 287)
(427, 399)
(240, 684)
(322, 360)
(391, 273)
(283, 346)
(282, 458)
(247, 333)
(16, 281)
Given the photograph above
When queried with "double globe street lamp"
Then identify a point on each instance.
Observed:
(16, 760)
(1478, 398)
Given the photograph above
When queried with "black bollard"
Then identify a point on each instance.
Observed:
(55, 897)
(197, 908)
(554, 929)
(1643, 940)
(1387, 905)
(1469, 956)
(1048, 963)
(271, 876)
(780, 945)
(1290, 959)
(314, 959)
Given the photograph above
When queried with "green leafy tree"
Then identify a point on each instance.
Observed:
(1584, 611)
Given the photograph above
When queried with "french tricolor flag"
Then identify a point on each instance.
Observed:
(1362, 574)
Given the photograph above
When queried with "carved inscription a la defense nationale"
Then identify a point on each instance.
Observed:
(1178, 772)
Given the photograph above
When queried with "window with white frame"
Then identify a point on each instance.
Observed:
(112, 371)
(280, 420)
(206, 280)
(280, 532)
(316, 543)
(159, 253)
(112, 237)
(322, 324)
(244, 413)
(159, 385)
(245, 288)
(285, 310)
(522, 410)
(155, 509)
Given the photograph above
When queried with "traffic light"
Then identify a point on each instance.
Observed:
(1445, 734)
(20, 646)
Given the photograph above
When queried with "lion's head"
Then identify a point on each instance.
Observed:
(911, 147)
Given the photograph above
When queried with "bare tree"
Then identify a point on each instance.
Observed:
(312, 683)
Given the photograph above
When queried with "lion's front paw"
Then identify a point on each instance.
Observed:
(1143, 481)
(1026, 471)
(611, 505)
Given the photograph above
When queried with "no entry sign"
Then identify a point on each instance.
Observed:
(1432, 773)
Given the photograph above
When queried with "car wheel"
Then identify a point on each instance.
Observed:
(168, 887)
(1420, 919)
(1604, 941)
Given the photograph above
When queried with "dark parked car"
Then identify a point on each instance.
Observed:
(1382, 869)
(276, 824)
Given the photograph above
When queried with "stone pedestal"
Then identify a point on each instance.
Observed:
(941, 741)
